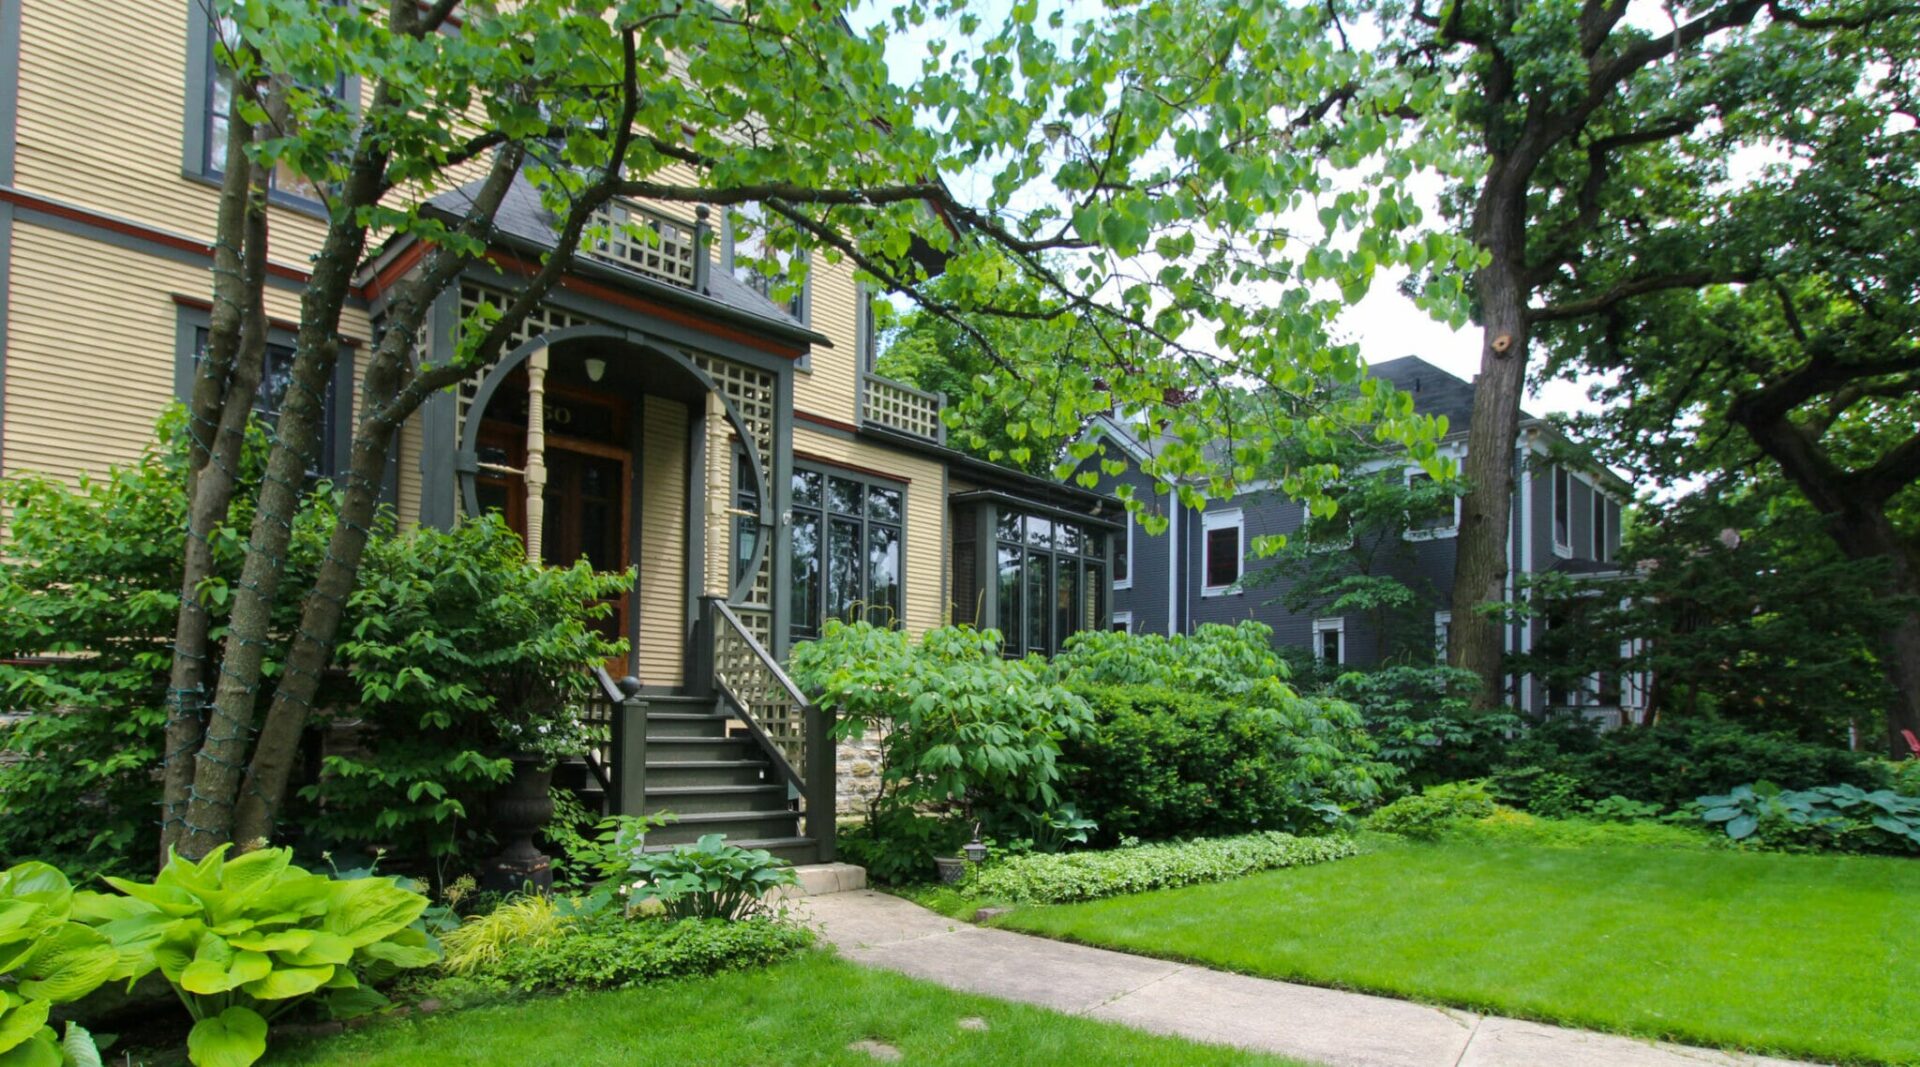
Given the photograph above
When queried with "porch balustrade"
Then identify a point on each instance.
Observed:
(896, 406)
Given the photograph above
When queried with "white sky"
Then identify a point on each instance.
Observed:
(1385, 324)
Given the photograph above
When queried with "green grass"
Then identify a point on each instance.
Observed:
(803, 1012)
(1815, 956)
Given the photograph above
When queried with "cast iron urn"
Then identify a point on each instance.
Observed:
(518, 812)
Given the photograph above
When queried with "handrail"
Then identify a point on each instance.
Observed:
(609, 693)
(768, 701)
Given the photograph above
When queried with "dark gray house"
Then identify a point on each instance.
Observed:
(1566, 516)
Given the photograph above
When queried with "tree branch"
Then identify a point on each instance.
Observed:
(1630, 288)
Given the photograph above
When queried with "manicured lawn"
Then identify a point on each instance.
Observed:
(804, 1012)
(1817, 956)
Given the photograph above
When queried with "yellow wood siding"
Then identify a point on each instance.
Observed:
(926, 530)
(663, 539)
(831, 388)
(91, 336)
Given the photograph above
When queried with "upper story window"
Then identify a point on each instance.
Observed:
(1562, 509)
(847, 551)
(1123, 555)
(750, 255)
(210, 106)
(1221, 547)
(276, 377)
(1440, 518)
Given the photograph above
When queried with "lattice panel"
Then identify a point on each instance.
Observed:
(757, 686)
(645, 243)
(752, 393)
(544, 319)
(897, 407)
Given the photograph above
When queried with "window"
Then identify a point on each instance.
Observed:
(1329, 640)
(749, 253)
(746, 519)
(1442, 634)
(1562, 509)
(275, 378)
(846, 549)
(1122, 622)
(1052, 581)
(1220, 551)
(1430, 517)
(1123, 555)
(210, 102)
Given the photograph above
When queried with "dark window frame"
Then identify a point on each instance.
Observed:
(806, 622)
(1085, 565)
(336, 436)
(800, 307)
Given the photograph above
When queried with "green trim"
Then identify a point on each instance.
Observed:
(9, 86)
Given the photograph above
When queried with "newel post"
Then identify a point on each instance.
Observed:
(630, 737)
(823, 794)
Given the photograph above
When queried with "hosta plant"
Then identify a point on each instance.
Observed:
(244, 940)
(46, 958)
(711, 879)
(1829, 816)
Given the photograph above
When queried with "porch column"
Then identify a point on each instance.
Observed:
(536, 472)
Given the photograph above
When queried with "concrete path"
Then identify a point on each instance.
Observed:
(1319, 1025)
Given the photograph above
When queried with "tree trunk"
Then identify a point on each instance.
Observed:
(217, 412)
(1865, 533)
(1480, 566)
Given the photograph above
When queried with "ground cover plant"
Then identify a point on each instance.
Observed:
(808, 1010)
(1053, 879)
(1794, 954)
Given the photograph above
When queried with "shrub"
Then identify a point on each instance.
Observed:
(1163, 763)
(1425, 723)
(1540, 791)
(1064, 878)
(1434, 810)
(1313, 757)
(961, 728)
(1506, 826)
(47, 957)
(463, 653)
(897, 844)
(711, 879)
(1677, 760)
(609, 952)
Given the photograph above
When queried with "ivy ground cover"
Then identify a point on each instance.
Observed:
(1807, 955)
(813, 1010)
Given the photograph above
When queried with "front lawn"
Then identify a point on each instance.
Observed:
(805, 1011)
(1809, 955)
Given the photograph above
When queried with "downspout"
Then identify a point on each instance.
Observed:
(1174, 535)
(1526, 559)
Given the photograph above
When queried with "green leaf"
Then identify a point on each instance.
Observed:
(1743, 827)
(68, 964)
(288, 982)
(20, 1022)
(79, 1047)
(355, 1002)
(38, 1051)
(234, 1038)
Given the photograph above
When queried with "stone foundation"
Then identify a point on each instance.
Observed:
(856, 775)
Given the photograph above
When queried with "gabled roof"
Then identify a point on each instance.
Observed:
(525, 224)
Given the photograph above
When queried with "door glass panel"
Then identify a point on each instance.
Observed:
(883, 575)
(883, 504)
(1007, 614)
(1009, 525)
(1039, 532)
(1067, 537)
(843, 567)
(1039, 604)
(806, 488)
(844, 496)
(1066, 599)
(806, 572)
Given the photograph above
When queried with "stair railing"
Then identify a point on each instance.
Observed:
(795, 731)
(602, 709)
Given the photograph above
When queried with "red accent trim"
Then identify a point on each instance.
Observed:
(393, 271)
(822, 420)
(586, 287)
(198, 304)
(134, 229)
(838, 464)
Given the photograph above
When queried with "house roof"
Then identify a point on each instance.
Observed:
(1435, 391)
(525, 223)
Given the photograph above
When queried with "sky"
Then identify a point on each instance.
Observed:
(1385, 324)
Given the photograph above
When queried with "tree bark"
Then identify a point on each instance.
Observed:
(217, 412)
(1480, 566)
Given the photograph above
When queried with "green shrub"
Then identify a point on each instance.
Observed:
(1425, 723)
(961, 728)
(1064, 878)
(463, 653)
(1434, 810)
(47, 958)
(1506, 826)
(1536, 789)
(1163, 763)
(711, 879)
(1676, 760)
(478, 944)
(897, 844)
(607, 951)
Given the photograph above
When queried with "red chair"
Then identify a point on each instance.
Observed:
(1913, 743)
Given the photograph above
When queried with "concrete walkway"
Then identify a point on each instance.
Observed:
(1319, 1025)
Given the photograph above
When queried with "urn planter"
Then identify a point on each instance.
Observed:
(519, 811)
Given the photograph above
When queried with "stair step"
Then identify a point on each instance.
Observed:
(691, 773)
(678, 702)
(682, 800)
(683, 749)
(795, 850)
(685, 724)
(691, 826)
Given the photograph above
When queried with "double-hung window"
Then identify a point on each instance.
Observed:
(1123, 555)
(1329, 641)
(1222, 538)
(1430, 517)
(1601, 507)
(847, 550)
(748, 252)
(210, 103)
(1562, 509)
(276, 377)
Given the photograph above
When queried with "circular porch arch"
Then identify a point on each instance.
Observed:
(469, 454)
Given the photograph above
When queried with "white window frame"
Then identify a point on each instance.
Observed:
(1334, 625)
(1563, 549)
(1220, 520)
(1441, 621)
(1434, 533)
(1122, 622)
(1126, 546)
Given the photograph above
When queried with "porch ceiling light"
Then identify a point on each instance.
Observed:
(596, 368)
